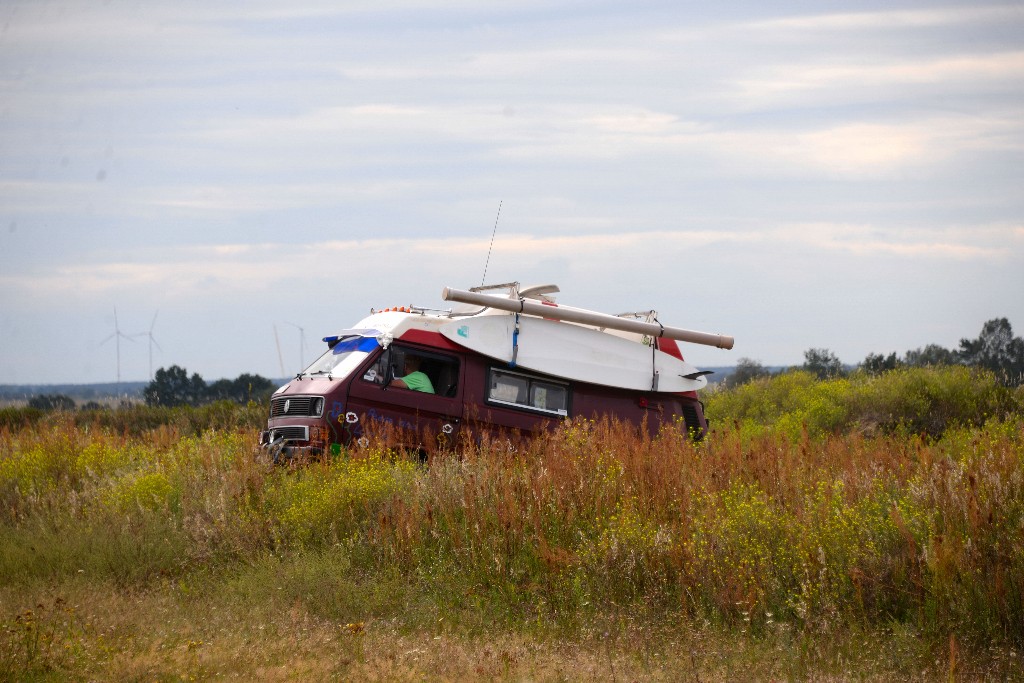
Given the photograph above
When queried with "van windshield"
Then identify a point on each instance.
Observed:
(344, 357)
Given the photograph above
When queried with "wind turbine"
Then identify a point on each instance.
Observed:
(280, 358)
(152, 343)
(117, 335)
(302, 345)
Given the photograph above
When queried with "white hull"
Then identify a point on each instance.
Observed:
(573, 352)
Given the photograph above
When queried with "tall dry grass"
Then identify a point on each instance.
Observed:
(783, 532)
(750, 532)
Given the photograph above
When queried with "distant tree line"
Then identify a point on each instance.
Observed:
(995, 349)
(50, 402)
(173, 387)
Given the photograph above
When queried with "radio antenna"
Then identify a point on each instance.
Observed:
(495, 232)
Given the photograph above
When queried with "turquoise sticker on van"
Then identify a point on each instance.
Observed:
(463, 331)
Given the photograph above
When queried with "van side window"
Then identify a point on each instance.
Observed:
(443, 370)
(515, 389)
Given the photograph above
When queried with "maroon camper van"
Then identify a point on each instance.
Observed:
(496, 363)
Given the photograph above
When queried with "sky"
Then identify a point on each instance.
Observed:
(241, 179)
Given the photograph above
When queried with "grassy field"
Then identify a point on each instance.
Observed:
(855, 529)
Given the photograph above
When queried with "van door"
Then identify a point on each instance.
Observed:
(430, 414)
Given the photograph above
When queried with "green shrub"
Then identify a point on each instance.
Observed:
(36, 465)
(630, 558)
(137, 420)
(327, 502)
(99, 458)
(148, 489)
(14, 418)
(926, 400)
(741, 552)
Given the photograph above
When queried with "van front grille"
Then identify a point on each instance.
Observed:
(292, 433)
(305, 406)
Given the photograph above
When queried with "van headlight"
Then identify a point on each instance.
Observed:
(318, 407)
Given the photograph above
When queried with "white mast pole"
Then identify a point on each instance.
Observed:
(579, 315)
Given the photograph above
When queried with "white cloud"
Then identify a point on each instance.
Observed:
(186, 272)
(889, 19)
(860, 76)
(845, 149)
(852, 149)
(957, 244)
(256, 198)
(484, 64)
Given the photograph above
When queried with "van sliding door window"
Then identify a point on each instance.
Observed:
(523, 391)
